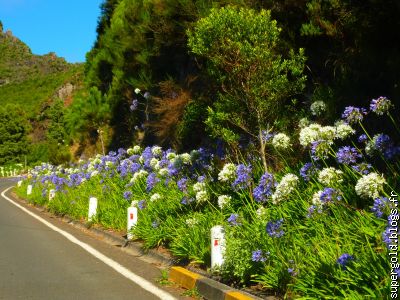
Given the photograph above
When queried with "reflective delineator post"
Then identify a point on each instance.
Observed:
(132, 220)
(217, 246)
(92, 208)
(52, 194)
(29, 189)
(19, 183)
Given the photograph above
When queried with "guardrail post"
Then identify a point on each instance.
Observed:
(132, 220)
(52, 194)
(217, 246)
(92, 208)
(29, 189)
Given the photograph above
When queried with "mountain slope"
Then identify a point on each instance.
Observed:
(28, 79)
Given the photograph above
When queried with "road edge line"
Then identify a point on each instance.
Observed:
(143, 283)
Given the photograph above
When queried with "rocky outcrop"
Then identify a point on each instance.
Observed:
(65, 92)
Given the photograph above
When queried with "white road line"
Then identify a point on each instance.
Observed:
(143, 283)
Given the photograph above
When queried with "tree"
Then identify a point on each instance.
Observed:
(243, 53)
(89, 114)
(13, 134)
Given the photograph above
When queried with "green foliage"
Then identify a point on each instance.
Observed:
(242, 48)
(13, 134)
(88, 113)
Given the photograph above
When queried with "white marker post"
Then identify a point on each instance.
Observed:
(19, 183)
(217, 246)
(132, 220)
(92, 208)
(52, 194)
(29, 189)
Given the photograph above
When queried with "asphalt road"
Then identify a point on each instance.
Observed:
(37, 262)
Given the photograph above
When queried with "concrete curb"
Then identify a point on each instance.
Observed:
(209, 288)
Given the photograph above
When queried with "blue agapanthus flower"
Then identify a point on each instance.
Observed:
(380, 204)
(329, 195)
(274, 228)
(127, 195)
(142, 204)
(380, 105)
(243, 176)
(362, 138)
(182, 184)
(344, 260)
(233, 219)
(151, 181)
(134, 105)
(308, 170)
(313, 209)
(259, 256)
(264, 188)
(347, 155)
(353, 114)
(363, 168)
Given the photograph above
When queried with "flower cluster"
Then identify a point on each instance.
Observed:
(259, 256)
(281, 141)
(274, 228)
(380, 106)
(308, 170)
(227, 173)
(370, 186)
(224, 200)
(344, 260)
(353, 114)
(243, 176)
(380, 205)
(347, 155)
(264, 188)
(233, 220)
(317, 108)
(285, 187)
(330, 176)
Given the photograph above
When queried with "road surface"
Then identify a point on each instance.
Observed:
(37, 262)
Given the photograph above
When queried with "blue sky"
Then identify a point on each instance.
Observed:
(66, 27)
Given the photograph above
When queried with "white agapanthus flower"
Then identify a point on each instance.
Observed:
(227, 173)
(261, 212)
(155, 197)
(134, 203)
(163, 172)
(186, 158)
(129, 151)
(309, 134)
(94, 173)
(199, 186)
(281, 141)
(191, 222)
(344, 130)
(370, 186)
(223, 200)
(201, 196)
(136, 149)
(286, 186)
(327, 133)
(137, 91)
(303, 122)
(138, 175)
(330, 176)
(109, 164)
(156, 150)
(317, 108)
(154, 162)
(171, 155)
(316, 199)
